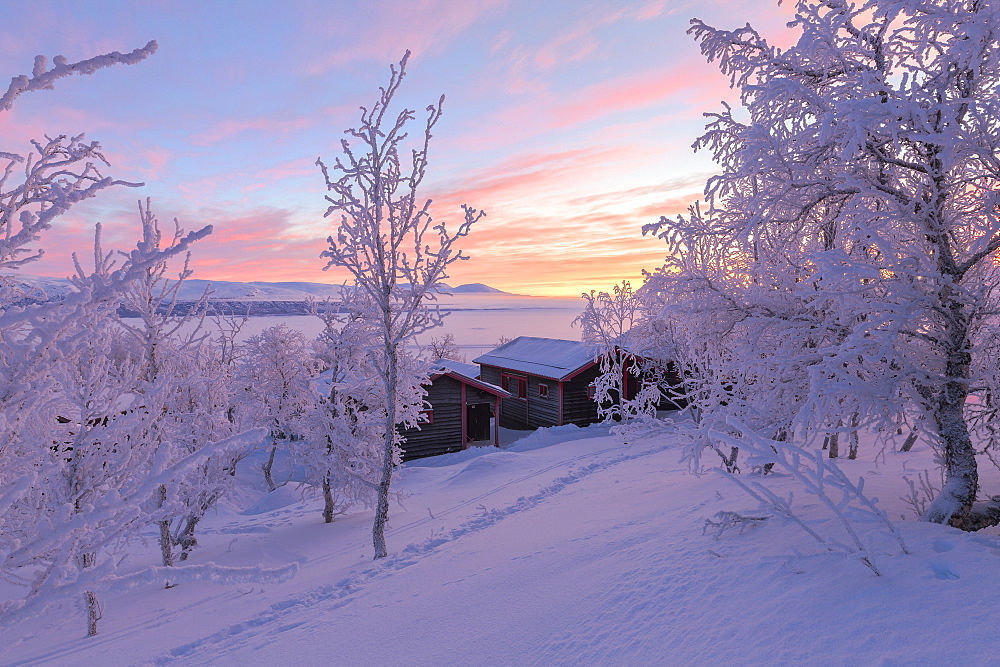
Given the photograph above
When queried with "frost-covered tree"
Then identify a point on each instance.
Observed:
(444, 347)
(845, 263)
(81, 456)
(199, 411)
(80, 465)
(39, 344)
(273, 384)
(150, 301)
(160, 329)
(341, 448)
(396, 253)
(609, 322)
(172, 351)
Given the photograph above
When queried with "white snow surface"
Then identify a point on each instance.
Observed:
(566, 548)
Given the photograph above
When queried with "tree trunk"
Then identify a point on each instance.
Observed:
(328, 507)
(271, 486)
(187, 541)
(853, 438)
(730, 463)
(783, 434)
(327, 499)
(832, 442)
(93, 612)
(909, 442)
(166, 541)
(382, 504)
(954, 502)
(90, 599)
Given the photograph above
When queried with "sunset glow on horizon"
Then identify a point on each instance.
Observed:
(569, 123)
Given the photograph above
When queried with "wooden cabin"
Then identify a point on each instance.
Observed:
(461, 414)
(550, 382)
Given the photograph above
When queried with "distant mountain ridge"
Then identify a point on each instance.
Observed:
(255, 298)
(476, 288)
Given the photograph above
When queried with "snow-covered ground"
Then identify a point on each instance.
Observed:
(566, 547)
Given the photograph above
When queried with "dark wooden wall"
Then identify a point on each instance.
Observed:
(513, 411)
(535, 411)
(577, 407)
(542, 411)
(445, 434)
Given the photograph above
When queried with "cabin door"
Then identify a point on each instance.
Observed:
(477, 422)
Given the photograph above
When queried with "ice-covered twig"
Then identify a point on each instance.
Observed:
(819, 477)
(725, 520)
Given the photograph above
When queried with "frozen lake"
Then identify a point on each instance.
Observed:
(476, 320)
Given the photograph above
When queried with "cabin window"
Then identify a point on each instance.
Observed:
(591, 391)
(425, 417)
(516, 385)
(543, 391)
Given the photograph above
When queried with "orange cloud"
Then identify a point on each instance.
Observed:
(549, 232)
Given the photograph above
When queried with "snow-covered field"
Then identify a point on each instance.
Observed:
(566, 547)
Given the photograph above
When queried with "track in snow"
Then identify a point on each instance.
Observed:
(339, 594)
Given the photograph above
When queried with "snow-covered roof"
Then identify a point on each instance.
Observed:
(467, 373)
(468, 370)
(547, 357)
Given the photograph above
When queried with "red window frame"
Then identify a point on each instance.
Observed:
(506, 379)
(425, 417)
(543, 390)
(592, 391)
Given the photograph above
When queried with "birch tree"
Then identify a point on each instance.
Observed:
(342, 447)
(273, 381)
(848, 248)
(397, 255)
(183, 385)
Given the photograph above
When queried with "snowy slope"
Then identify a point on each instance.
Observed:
(559, 550)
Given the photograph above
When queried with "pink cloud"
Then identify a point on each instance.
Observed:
(229, 128)
(690, 87)
(570, 46)
(638, 91)
(140, 161)
(389, 29)
(261, 243)
(298, 168)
